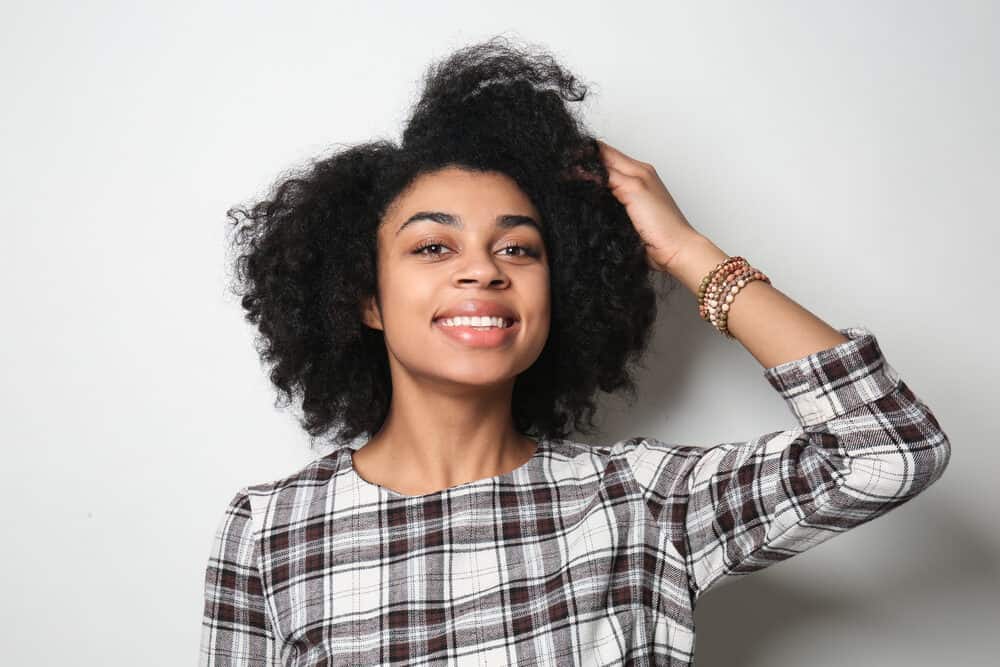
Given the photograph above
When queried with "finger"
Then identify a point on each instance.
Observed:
(615, 177)
(618, 178)
(623, 163)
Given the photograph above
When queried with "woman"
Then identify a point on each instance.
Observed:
(456, 301)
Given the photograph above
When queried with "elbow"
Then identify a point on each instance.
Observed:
(904, 472)
(930, 453)
(888, 452)
(935, 459)
(919, 450)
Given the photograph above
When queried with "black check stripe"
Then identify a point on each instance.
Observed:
(583, 556)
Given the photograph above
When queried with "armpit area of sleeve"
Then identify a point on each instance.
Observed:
(832, 382)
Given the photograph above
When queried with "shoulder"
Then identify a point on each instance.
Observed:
(633, 450)
(640, 457)
(306, 486)
(317, 471)
(656, 465)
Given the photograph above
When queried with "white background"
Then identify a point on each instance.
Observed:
(848, 149)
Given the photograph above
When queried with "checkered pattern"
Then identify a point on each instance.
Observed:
(584, 555)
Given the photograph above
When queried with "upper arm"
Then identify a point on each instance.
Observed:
(236, 629)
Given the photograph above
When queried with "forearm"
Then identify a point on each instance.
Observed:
(769, 324)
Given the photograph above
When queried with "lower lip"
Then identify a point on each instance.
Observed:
(493, 337)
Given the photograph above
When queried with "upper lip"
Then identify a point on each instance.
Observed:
(478, 308)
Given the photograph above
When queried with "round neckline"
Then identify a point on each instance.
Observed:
(510, 474)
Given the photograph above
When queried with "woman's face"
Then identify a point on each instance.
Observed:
(460, 241)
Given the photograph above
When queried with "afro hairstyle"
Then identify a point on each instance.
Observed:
(305, 256)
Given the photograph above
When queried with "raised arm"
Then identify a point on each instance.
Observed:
(864, 445)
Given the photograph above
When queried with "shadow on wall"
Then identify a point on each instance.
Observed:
(741, 622)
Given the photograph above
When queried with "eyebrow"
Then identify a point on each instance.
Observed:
(508, 221)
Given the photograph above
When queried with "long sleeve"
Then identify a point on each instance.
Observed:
(236, 631)
(865, 444)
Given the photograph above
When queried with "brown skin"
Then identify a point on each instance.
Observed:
(450, 420)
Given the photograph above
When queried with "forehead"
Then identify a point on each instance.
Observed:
(472, 194)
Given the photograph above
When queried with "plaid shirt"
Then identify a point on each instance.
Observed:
(583, 555)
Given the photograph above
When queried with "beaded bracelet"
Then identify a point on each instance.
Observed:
(712, 285)
(719, 288)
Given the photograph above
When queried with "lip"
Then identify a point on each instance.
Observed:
(478, 308)
(471, 337)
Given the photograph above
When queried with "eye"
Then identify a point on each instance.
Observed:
(425, 245)
(521, 251)
(528, 251)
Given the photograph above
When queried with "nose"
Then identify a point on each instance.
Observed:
(481, 267)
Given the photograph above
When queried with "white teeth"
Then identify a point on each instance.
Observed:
(476, 322)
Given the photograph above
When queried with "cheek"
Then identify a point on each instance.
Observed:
(408, 300)
(539, 293)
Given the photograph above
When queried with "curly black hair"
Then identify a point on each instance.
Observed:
(306, 254)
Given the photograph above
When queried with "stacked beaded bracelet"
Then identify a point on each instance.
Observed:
(719, 287)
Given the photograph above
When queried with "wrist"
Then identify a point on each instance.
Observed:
(694, 260)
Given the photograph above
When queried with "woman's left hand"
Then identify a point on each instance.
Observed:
(653, 212)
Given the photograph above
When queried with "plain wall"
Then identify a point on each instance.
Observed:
(850, 150)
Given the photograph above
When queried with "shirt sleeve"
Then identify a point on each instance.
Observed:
(236, 630)
(865, 444)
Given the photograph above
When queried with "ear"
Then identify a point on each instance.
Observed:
(370, 314)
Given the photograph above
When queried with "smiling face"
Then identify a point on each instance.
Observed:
(454, 241)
